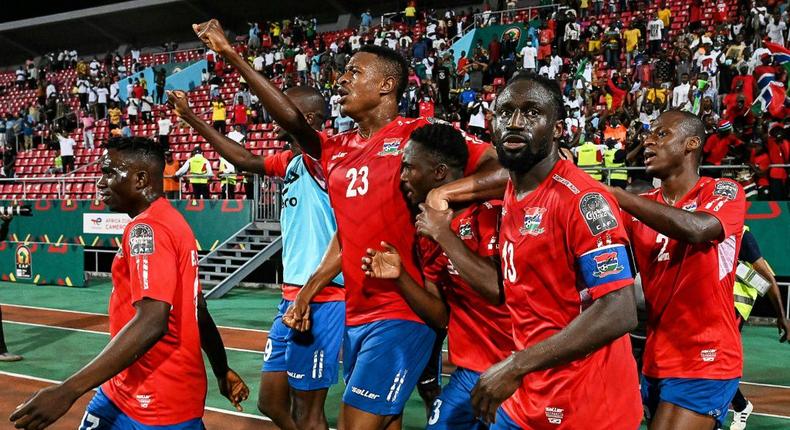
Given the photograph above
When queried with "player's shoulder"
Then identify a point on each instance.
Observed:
(572, 182)
(721, 187)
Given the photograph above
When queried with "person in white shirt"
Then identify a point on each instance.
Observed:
(654, 35)
(146, 105)
(94, 68)
(164, 125)
(555, 66)
(392, 42)
(429, 62)
(101, 102)
(572, 32)
(115, 92)
(529, 55)
(82, 90)
(21, 76)
(121, 70)
(301, 66)
(257, 63)
(66, 150)
(93, 97)
(354, 40)
(135, 55)
(334, 106)
(477, 116)
(680, 94)
(51, 89)
(775, 29)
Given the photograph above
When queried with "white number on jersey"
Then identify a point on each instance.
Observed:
(509, 270)
(357, 181)
(663, 255)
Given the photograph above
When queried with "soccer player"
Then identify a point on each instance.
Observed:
(459, 252)
(567, 281)
(151, 373)
(298, 368)
(386, 345)
(686, 236)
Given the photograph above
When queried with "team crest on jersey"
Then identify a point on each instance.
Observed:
(532, 219)
(465, 229)
(390, 147)
(726, 189)
(607, 264)
(597, 213)
(141, 240)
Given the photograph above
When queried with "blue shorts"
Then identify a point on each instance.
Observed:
(503, 421)
(382, 361)
(102, 414)
(703, 396)
(453, 409)
(311, 359)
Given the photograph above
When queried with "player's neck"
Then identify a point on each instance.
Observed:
(527, 182)
(377, 118)
(678, 184)
(143, 202)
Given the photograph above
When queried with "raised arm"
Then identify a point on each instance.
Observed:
(690, 227)
(282, 109)
(487, 182)
(229, 149)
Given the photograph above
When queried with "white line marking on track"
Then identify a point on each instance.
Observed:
(208, 408)
(760, 384)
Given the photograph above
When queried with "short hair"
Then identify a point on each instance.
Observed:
(691, 124)
(394, 63)
(547, 84)
(312, 98)
(144, 149)
(444, 142)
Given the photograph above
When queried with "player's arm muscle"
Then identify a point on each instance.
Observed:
(481, 273)
(691, 227)
(329, 267)
(425, 302)
(487, 182)
(608, 318)
(135, 339)
(281, 108)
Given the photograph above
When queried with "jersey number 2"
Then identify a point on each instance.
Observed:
(357, 181)
(663, 255)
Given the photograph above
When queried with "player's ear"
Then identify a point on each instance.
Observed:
(559, 126)
(388, 85)
(440, 171)
(142, 179)
(693, 144)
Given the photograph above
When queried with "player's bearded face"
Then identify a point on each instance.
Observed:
(523, 130)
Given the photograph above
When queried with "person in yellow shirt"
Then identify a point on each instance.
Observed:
(657, 96)
(594, 44)
(631, 36)
(410, 13)
(218, 114)
(664, 14)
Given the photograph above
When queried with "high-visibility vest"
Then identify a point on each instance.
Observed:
(197, 166)
(588, 157)
(608, 161)
(744, 294)
(227, 179)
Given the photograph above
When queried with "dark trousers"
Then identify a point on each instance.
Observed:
(68, 163)
(777, 189)
(171, 195)
(3, 348)
(200, 191)
(228, 191)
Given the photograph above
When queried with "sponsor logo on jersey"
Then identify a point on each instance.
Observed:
(597, 213)
(708, 355)
(726, 189)
(690, 206)
(465, 229)
(141, 240)
(607, 264)
(144, 400)
(364, 393)
(338, 155)
(390, 147)
(565, 182)
(532, 219)
(555, 415)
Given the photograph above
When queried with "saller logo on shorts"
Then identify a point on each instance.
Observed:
(597, 213)
(141, 240)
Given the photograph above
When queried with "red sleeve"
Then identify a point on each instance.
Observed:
(476, 149)
(153, 263)
(275, 165)
(488, 229)
(725, 200)
(597, 238)
(434, 262)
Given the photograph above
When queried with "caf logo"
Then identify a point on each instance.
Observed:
(24, 262)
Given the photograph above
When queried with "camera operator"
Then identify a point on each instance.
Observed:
(5, 356)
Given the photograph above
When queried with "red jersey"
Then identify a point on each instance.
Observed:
(778, 153)
(480, 334)
(426, 109)
(717, 147)
(363, 178)
(691, 327)
(563, 246)
(239, 114)
(762, 161)
(158, 260)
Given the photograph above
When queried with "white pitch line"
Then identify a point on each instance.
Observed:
(760, 384)
(208, 408)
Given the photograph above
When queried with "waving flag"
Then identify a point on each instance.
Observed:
(772, 99)
(780, 53)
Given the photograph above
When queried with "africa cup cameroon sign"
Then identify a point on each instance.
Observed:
(23, 262)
